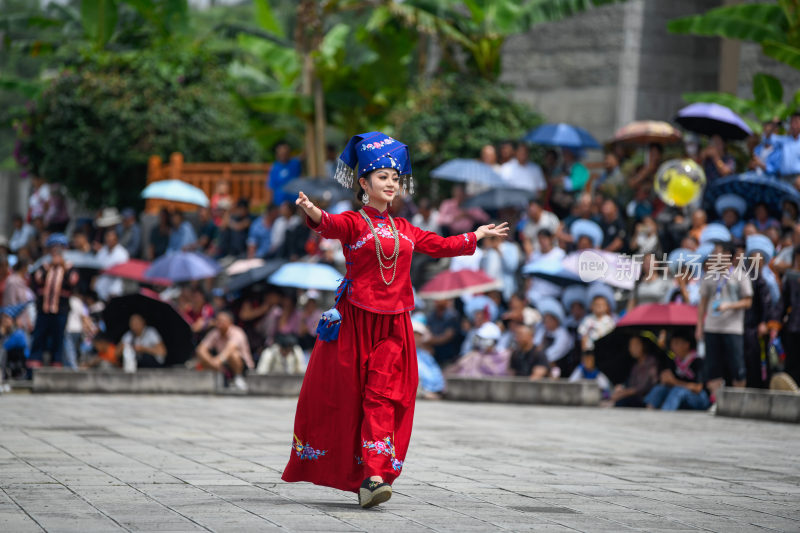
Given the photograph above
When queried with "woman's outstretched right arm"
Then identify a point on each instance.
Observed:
(341, 227)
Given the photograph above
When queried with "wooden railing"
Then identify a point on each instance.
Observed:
(245, 180)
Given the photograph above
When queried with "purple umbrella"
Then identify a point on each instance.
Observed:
(711, 119)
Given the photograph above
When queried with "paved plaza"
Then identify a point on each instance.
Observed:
(88, 463)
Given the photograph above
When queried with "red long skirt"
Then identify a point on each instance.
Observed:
(356, 406)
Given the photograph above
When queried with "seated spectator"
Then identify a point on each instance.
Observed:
(259, 237)
(182, 237)
(761, 219)
(680, 386)
(159, 236)
(444, 324)
(477, 310)
(521, 173)
(614, 234)
(206, 232)
(13, 349)
(282, 319)
(105, 356)
(686, 277)
(576, 174)
(600, 322)
(587, 370)
(221, 201)
(22, 236)
(653, 283)
(141, 347)
(699, 220)
(645, 237)
(484, 359)
(456, 219)
(731, 209)
(309, 318)
(527, 359)
(716, 161)
(198, 313)
(284, 357)
(226, 346)
(532, 223)
(112, 253)
(431, 380)
(586, 234)
(131, 233)
(234, 229)
(552, 339)
(642, 378)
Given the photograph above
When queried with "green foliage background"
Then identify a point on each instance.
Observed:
(97, 123)
(454, 117)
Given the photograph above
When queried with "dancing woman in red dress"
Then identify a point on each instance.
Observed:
(354, 415)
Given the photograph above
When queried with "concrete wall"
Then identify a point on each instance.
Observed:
(611, 65)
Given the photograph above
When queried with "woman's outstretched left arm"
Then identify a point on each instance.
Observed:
(434, 245)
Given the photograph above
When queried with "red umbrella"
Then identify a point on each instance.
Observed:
(660, 315)
(134, 270)
(449, 284)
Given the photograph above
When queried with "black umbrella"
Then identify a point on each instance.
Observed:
(319, 188)
(174, 330)
(612, 357)
(495, 199)
(254, 275)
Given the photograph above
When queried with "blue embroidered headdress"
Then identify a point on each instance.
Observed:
(370, 151)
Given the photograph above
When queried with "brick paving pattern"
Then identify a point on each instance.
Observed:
(87, 463)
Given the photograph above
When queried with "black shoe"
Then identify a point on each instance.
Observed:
(372, 493)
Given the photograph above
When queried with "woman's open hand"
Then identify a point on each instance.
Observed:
(304, 202)
(492, 230)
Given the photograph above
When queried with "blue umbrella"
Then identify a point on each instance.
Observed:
(321, 188)
(183, 266)
(564, 135)
(710, 119)
(176, 191)
(754, 188)
(307, 276)
(552, 271)
(468, 171)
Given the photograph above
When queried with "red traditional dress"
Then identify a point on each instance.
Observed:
(356, 406)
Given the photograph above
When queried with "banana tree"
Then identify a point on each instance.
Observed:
(767, 102)
(479, 28)
(775, 26)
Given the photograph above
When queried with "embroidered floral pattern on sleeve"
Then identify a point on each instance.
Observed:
(384, 447)
(306, 451)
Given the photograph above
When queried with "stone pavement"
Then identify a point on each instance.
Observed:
(88, 463)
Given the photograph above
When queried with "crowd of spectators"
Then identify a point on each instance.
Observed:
(748, 319)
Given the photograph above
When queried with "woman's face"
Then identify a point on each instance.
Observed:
(635, 347)
(382, 184)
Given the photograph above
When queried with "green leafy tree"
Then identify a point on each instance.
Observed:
(94, 127)
(454, 117)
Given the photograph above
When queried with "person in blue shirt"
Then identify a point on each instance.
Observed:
(182, 235)
(259, 239)
(284, 169)
(785, 158)
(763, 150)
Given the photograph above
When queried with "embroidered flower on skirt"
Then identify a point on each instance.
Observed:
(306, 451)
(384, 447)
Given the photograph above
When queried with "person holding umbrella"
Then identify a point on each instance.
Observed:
(717, 162)
(355, 411)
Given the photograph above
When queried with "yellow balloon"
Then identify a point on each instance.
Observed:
(681, 190)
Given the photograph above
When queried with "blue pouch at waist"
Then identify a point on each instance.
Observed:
(328, 327)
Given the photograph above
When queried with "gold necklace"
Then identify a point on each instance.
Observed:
(379, 247)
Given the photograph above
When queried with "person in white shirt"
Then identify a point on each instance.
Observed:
(284, 357)
(536, 219)
(113, 253)
(521, 173)
(142, 346)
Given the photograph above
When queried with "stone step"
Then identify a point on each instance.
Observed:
(762, 404)
(521, 390)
